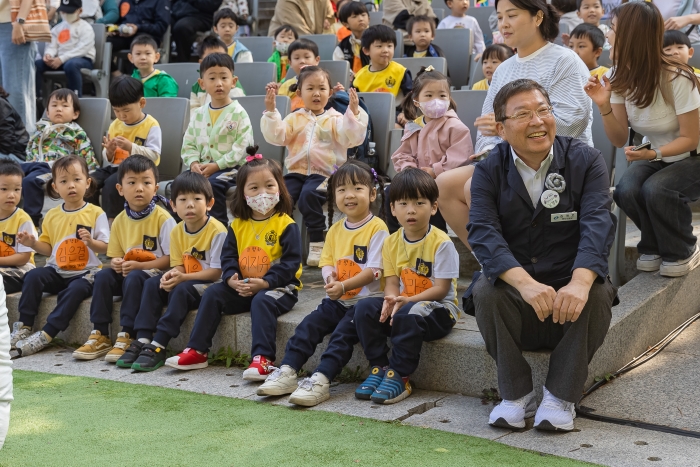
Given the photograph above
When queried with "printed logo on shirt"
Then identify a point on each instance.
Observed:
(424, 268)
(390, 82)
(191, 263)
(254, 262)
(271, 238)
(79, 226)
(9, 239)
(6, 245)
(200, 255)
(150, 243)
(63, 36)
(124, 9)
(139, 141)
(360, 254)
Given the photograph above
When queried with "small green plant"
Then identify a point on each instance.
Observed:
(350, 376)
(490, 395)
(607, 377)
(226, 356)
(302, 373)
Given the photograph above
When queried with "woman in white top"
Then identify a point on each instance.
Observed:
(656, 188)
(529, 26)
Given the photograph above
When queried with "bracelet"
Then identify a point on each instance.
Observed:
(606, 114)
(343, 286)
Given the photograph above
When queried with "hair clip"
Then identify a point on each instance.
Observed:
(429, 68)
(374, 173)
(252, 158)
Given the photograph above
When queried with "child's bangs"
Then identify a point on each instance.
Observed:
(352, 175)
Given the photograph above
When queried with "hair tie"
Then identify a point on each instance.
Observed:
(374, 173)
(430, 68)
(252, 158)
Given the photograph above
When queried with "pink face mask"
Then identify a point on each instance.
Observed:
(435, 108)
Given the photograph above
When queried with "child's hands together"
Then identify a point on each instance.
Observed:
(387, 307)
(196, 167)
(26, 238)
(354, 105)
(247, 287)
(208, 169)
(270, 96)
(116, 264)
(171, 278)
(123, 143)
(110, 146)
(334, 288)
(128, 266)
(398, 301)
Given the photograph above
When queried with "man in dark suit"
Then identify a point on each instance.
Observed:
(541, 228)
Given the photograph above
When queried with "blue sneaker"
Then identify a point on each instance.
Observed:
(392, 390)
(365, 390)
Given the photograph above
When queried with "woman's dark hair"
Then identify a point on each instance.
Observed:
(3, 93)
(210, 42)
(356, 173)
(64, 94)
(642, 69)
(351, 9)
(499, 51)
(61, 165)
(511, 89)
(307, 71)
(549, 27)
(190, 182)
(10, 168)
(410, 111)
(284, 28)
(239, 207)
(412, 184)
(125, 90)
(137, 164)
(212, 60)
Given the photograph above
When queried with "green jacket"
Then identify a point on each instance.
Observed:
(158, 84)
(276, 58)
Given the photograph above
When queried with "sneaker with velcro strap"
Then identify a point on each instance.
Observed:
(188, 359)
(151, 358)
(96, 346)
(132, 353)
(120, 347)
(392, 389)
(365, 390)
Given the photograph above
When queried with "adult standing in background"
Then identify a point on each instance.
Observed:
(683, 15)
(398, 12)
(190, 17)
(307, 16)
(529, 26)
(17, 67)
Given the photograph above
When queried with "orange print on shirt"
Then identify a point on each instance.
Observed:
(413, 283)
(64, 36)
(254, 262)
(6, 250)
(140, 255)
(124, 8)
(191, 264)
(72, 255)
(119, 155)
(347, 269)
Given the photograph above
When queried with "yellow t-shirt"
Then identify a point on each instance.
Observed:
(422, 54)
(351, 251)
(259, 245)
(387, 80)
(482, 85)
(215, 113)
(197, 251)
(70, 256)
(145, 133)
(599, 72)
(418, 264)
(18, 221)
(141, 240)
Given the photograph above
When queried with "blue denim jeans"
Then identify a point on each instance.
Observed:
(655, 195)
(16, 71)
(74, 80)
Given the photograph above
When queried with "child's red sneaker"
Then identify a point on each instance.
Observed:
(258, 370)
(188, 359)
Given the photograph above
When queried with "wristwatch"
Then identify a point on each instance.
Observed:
(658, 155)
(20, 20)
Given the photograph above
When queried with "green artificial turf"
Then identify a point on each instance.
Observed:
(76, 421)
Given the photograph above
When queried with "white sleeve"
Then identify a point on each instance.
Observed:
(443, 24)
(338, 54)
(5, 363)
(446, 262)
(154, 140)
(216, 244)
(52, 48)
(165, 230)
(101, 231)
(374, 252)
(685, 96)
(479, 44)
(245, 57)
(26, 227)
(326, 272)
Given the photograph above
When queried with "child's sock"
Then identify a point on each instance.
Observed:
(320, 377)
(143, 340)
(103, 328)
(48, 338)
(157, 344)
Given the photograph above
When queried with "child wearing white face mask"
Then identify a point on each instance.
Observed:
(72, 47)
(435, 140)
(284, 35)
(261, 265)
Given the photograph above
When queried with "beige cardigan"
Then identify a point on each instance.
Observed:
(296, 12)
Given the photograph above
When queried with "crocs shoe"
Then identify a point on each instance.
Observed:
(260, 368)
(96, 346)
(188, 359)
(365, 390)
(393, 389)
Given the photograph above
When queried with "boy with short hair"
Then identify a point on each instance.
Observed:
(284, 36)
(421, 267)
(15, 258)
(195, 259)
(198, 96)
(139, 247)
(421, 30)
(677, 44)
(225, 26)
(218, 134)
(458, 19)
(302, 52)
(72, 47)
(591, 12)
(133, 132)
(156, 83)
(355, 17)
(587, 41)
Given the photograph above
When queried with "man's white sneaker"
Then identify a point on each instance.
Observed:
(315, 249)
(311, 391)
(682, 267)
(282, 381)
(512, 414)
(554, 414)
(648, 263)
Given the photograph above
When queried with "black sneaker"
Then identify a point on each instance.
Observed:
(132, 353)
(150, 359)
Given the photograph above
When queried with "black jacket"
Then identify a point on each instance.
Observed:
(201, 9)
(152, 17)
(13, 135)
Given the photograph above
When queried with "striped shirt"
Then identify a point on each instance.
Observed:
(563, 74)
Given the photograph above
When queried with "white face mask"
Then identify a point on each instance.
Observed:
(70, 17)
(263, 203)
(282, 47)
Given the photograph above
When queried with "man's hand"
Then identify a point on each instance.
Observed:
(486, 124)
(134, 29)
(334, 288)
(208, 169)
(26, 238)
(676, 22)
(117, 265)
(171, 278)
(128, 266)
(540, 297)
(270, 96)
(570, 301)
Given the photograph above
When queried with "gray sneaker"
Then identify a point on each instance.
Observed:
(32, 344)
(19, 332)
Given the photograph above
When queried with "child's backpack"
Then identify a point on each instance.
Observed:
(364, 152)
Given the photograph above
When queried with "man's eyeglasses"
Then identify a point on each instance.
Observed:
(526, 115)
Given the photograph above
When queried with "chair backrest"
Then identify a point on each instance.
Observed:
(602, 143)
(477, 73)
(255, 76)
(173, 116)
(375, 17)
(398, 50)
(457, 46)
(563, 29)
(381, 109)
(482, 15)
(395, 136)
(185, 74)
(469, 104)
(439, 4)
(326, 44)
(338, 69)
(604, 59)
(414, 64)
(260, 46)
(95, 117)
(100, 39)
(439, 13)
(254, 106)
(694, 61)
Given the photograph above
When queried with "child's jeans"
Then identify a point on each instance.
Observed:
(74, 79)
(33, 188)
(303, 190)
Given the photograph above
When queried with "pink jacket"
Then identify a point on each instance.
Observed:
(443, 144)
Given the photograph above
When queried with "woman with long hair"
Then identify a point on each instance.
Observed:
(658, 97)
